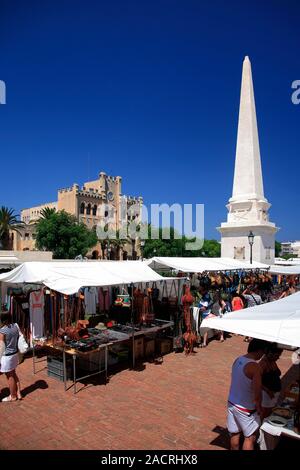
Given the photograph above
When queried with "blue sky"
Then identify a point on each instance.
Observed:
(148, 90)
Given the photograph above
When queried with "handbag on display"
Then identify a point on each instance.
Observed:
(155, 291)
(165, 296)
(123, 300)
(173, 299)
(22, 344)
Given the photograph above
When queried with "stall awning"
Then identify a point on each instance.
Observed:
(199, 265)
(286, 270)
(69, 277)
(9, 261)
(277, 321)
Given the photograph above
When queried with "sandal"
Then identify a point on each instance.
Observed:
(9, 398)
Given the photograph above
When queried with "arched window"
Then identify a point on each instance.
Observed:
(82, 207)
(88, 209)
(95, 209)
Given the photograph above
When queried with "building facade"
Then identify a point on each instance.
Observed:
(98, 202)
(290, 248)
(248, 209)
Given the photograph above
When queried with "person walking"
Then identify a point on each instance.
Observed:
(9, 335)
(244, 407)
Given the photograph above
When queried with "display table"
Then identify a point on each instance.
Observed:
(269, 435)
(80, 354)
(112, 336)
(75, 354)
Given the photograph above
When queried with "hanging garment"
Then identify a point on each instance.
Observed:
(104, 297)
(90, 300)
(196, 312)
(36, 309)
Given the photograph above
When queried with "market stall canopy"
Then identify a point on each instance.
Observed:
(69, 277)
(286, 270)
(199, 265)
(9, 261)
(277, 321)
(290, 262)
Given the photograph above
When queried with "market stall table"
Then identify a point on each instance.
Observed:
(106, 339)
(270, 435)
(75, 354)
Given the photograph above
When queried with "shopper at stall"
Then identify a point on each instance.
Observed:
(224, 307)
(236, 301)
(252, 297)
(205, 305)
(244, 401)
(271, 382)
(9, 335)
(288, 290)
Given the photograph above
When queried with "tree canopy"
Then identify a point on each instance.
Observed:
(60, 233)
(177, 246)
(9, 221)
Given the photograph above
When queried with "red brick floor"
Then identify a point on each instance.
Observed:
(180, 404)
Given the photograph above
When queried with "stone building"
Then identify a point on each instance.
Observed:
(96, 202)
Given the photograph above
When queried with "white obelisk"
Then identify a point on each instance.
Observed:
(248, 208)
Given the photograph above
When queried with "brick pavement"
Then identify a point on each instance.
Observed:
(180, 404)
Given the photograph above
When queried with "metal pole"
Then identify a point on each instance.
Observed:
(0, 295)
(64, 368)
(132, 324)
(74, 372)
(251, 253)
(105, 355)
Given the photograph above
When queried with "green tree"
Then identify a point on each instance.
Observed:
(47, 212)
(177, 246)
(9, 221)
(277, 249)
(60, 233)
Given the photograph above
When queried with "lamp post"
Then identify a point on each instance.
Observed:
(142, 248)
(251, 241)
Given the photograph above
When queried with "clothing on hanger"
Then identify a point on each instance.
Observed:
(90, 300)
(36, 309)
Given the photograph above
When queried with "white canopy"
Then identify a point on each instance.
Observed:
(8, 261)
(198, 265)
(287, 270)
(69, 277)
(277, 321)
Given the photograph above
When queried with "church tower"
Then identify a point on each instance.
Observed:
(248, 208)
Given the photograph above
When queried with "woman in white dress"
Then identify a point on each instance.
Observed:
(9, 335)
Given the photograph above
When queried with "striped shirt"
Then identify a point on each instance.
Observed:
(11, 336)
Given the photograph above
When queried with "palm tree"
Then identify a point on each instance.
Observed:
(9, 221)
(47, 212)
(118, 243)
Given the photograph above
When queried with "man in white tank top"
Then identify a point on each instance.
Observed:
(244, 400)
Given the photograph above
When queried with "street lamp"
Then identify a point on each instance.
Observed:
(142, 248)
(251, 241)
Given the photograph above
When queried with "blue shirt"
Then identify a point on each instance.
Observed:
(205, 302)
